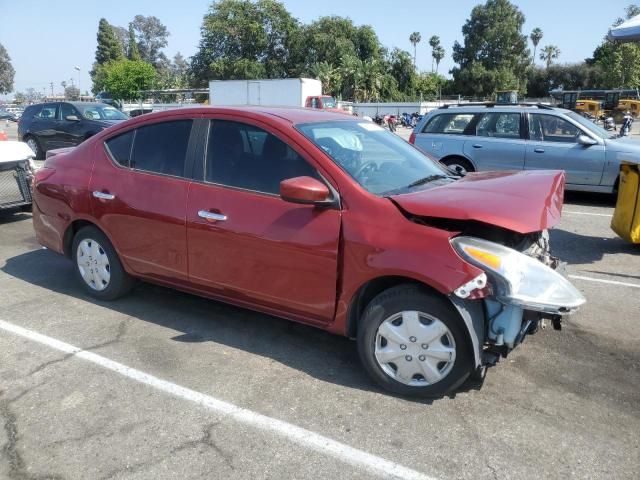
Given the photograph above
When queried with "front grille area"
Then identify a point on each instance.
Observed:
(14, 188)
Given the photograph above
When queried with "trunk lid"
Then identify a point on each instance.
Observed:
(524, 202)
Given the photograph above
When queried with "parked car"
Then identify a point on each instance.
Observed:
(6, 115)
(46, 126)
(319, 218)
(484, 137)
(16, 172)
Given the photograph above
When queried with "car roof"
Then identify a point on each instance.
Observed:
(293, 115)
(88, 104)
(482, 107)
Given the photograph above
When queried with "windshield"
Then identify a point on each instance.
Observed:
(378, 160)
(102, 112)
(328, 102)
(589, 125)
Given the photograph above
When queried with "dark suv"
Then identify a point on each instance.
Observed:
(46, 126)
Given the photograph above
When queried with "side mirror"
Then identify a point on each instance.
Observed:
(72, 118)
(305, 190)
(586, 141)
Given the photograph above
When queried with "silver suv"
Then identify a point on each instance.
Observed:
(477, 137)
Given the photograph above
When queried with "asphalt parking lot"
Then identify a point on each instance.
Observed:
(205, 390)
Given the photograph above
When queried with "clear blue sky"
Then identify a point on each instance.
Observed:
(46, 39)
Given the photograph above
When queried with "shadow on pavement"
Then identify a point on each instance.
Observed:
(11, 216)
(574, 248)
(322, 355)
(588, 199)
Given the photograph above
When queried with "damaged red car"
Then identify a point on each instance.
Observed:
(317, 218)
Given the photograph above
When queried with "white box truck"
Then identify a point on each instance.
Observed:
(284, 92)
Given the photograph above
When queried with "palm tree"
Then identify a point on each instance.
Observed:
(438, 54)
(536, 36)
(549, 53)
(326, 73)
(415, 38)
(434, 41)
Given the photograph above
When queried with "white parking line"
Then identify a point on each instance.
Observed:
(600, 280)
(572, 212)
(293, 433)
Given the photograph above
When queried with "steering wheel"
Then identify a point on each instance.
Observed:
(365, 168)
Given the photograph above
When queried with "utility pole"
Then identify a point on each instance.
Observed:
(51, 88)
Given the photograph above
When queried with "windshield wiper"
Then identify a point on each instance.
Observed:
(428, 179)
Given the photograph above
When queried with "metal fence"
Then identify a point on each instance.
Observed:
(14, 187)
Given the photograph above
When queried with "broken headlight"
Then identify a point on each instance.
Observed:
(518, 279)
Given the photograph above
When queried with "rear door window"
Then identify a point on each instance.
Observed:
(449, 123)
(162, 147)
(119, 147)
(499, 125)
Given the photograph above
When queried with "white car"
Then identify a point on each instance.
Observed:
(16, 171)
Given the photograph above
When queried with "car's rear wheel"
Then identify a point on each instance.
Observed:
(98, 266)
(459, 165)
(411, 342)
(35, 146)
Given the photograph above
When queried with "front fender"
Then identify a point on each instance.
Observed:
(472, 313)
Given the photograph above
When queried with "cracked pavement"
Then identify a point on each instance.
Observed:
(565, 404)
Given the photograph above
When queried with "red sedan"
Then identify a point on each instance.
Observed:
(318, 218)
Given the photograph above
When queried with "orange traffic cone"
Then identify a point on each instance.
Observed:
(3, 136)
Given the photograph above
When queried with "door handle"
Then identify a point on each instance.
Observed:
(538, 150)
(212, 216)
(103, 195)
(477, 145)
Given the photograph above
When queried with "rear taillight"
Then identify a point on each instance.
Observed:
(412, 138)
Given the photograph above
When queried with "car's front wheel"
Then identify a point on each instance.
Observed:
(411, 342)
(97, 265)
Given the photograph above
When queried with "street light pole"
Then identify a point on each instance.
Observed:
(80, 95)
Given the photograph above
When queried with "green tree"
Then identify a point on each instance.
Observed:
(620, 62)
(132, 45)
(150, 37)
(124, 79)
(122, 34)
(245, 39)
(535, 36)
(434, 42)
(494, 53)
(549, 53)
(401, 67)
(415, 38)
(428, 85)
(329, 76)
(575, 76)
(109, 47)
(6, 71)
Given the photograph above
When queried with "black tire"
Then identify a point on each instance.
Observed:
(120, 282)
(463, 162)
(39, 153)
(413, 297)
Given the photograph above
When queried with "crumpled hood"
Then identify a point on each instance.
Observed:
(523, 201)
